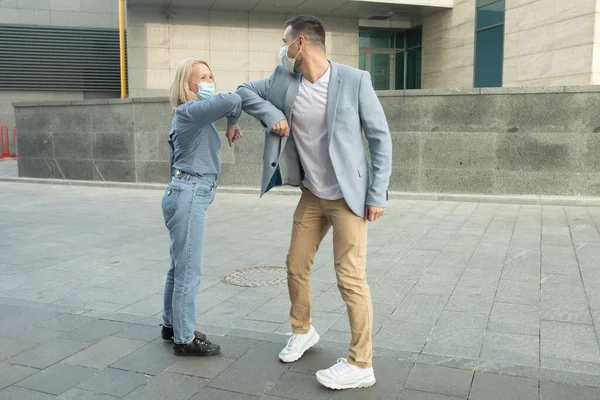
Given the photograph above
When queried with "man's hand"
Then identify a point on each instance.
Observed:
(373, 213)
(282, 128)
(233, 134)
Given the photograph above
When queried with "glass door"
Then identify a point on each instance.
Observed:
(393, 58)
(380, 69)
(382, 66)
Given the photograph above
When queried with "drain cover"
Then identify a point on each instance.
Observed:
(256, 276)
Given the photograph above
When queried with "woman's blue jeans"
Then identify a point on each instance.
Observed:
(184, 206)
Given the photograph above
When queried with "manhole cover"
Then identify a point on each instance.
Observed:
(256, 276)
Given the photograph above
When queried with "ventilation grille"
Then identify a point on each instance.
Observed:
(48, 58)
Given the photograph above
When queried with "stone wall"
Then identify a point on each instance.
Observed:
(239, 46)
(106, 140)
(78, 13)
(543, 141)
(546, 43)
(550, 42)
(449, 47)
(497, 141)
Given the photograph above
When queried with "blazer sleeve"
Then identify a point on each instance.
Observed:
(378, 136)
(255, 103)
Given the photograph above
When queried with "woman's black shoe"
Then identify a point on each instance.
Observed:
(167, 334)
(197, 347)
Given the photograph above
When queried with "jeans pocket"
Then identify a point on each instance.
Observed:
(204, 189)
(169, 201)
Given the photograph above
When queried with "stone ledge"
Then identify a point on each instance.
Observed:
(62, 103)
(69, 182)
(161, 99)
(89, 102)
(55, 103)
(476, 198)
(583, 89)
(441, 92)
(488, 91)
(380, 93)
(523, 90)
(390, 93)
(120, 101)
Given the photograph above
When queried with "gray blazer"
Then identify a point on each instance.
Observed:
(352, 107)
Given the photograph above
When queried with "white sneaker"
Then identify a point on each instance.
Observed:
(344, 375)
(298, 344)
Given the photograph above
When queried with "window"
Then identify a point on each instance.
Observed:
(372, 38)
(393, 58)
(489, 43)
(413, 58)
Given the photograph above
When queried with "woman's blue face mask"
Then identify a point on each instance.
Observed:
(206, 90)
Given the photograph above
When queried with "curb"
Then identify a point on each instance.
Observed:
(477, 198)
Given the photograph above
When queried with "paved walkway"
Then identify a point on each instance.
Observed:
(477, 301)
(8, 168)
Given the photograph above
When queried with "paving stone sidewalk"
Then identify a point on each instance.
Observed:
(472, 301)
(8, 168)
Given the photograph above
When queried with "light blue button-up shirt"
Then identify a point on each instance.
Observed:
(194, 140)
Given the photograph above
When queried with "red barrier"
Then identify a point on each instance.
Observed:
(5, 142)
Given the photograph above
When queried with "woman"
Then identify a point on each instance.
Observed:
(195, 167)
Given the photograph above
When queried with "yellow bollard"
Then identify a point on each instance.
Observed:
(122, 48)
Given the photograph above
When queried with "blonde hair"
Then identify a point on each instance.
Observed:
(180, 92)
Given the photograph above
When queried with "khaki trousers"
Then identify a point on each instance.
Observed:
(312, 219)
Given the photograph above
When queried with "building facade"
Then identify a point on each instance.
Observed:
(68, 49)
(47, 46)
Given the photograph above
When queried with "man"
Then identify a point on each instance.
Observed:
(326, 104)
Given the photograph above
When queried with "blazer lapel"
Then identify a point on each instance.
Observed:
(288, 105)
(291, 95)
(333, 95)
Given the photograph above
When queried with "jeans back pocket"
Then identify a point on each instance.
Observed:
(204, 188)
(169, 201)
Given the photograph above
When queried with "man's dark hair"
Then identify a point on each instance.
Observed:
(308, 26)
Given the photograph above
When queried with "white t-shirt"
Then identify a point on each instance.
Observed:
(309, 127)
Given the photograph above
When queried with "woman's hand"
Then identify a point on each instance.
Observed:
(233, 134)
